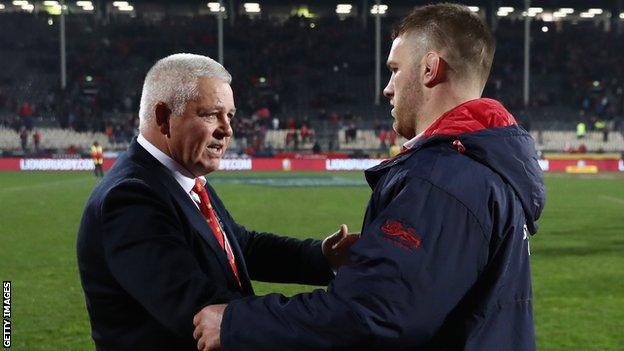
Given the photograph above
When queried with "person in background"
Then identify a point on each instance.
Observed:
(23, 134)
(36, 140)
(394, 150)
(97, 155)
(581, 130)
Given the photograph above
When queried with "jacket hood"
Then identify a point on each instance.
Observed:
(488, 133)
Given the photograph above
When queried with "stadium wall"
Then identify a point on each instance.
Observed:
(578, 165)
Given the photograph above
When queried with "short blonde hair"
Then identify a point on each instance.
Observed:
(457, 31)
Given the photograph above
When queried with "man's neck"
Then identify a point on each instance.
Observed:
(156, 139)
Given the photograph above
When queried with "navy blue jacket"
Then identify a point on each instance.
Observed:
(149, 261)
(443, 261)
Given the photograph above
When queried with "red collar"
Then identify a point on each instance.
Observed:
(471, 116)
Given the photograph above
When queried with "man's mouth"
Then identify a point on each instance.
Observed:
(215, 148)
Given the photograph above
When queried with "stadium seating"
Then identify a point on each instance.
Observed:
(334, 54)
(552, 140)
(366, 139)
(58, 139)
(9, 139)
(277, 139)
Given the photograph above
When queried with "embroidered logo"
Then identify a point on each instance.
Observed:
(401, 235)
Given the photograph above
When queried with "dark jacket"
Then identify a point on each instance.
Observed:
(149, 262)
(443, 261)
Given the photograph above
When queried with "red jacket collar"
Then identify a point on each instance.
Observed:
(471, 116)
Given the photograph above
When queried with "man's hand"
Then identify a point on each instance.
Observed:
(336, 246)
(208, 327)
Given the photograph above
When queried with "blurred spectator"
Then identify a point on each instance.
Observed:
(97, 155)
(316, 148)
(292, 135)
(306, 133)
(275, 123)
(71, 150)
(25, 110)
(25, 113)
(36, 140)
(109, 133)
(264, 113)
(394, 150)
(23, 134)
(580, 130)
(392, 136)
(383, 136)
(351, 132)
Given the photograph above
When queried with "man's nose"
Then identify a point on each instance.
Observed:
(225, 128)
(389, 90)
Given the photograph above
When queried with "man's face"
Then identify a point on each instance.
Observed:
(403, 89)
(200, 136)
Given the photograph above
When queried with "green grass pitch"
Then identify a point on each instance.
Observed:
(577, 257)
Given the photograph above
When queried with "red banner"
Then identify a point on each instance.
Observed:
(610, 165)
(9, 164)
(296, 164)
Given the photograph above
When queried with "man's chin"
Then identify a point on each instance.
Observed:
(209, 166)
(395, 127)
(404, 133)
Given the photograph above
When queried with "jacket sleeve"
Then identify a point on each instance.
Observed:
(149, 257)
(396, 292)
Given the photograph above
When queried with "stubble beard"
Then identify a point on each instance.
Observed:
(406, 126)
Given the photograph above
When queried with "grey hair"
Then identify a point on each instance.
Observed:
(173, 80)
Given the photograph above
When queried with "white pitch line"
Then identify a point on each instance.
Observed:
(613, 199)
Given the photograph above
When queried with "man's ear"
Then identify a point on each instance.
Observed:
(435, 69)
(163, 113)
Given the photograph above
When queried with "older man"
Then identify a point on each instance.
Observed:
(443, 261)
(156, 243)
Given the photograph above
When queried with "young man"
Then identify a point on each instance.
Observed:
(443, 261)
(156, 244)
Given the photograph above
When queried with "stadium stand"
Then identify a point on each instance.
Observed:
(554, 140)
(366, 139)
(59, 139)
(298, 70)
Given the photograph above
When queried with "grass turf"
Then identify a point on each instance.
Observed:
(577, 257)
